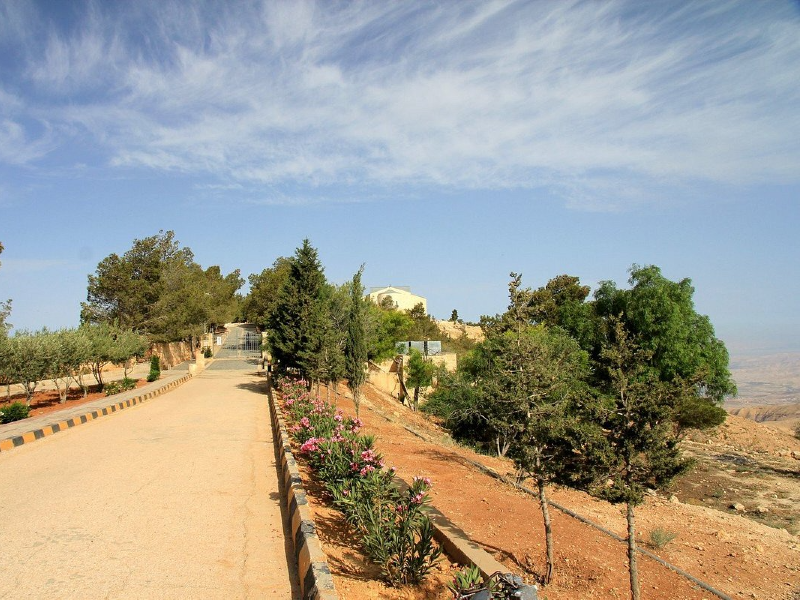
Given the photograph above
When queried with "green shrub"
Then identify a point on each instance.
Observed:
(395, 533)
(659, 538)
(468, 579)
(112, 387)
(155, 368)
(16, 411)
(128, 384)
(207, 353)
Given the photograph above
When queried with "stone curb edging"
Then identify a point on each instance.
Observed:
(37, 434)
(316, 581)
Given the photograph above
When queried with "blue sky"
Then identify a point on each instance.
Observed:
(444, 144)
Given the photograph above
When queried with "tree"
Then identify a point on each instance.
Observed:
(156, 288)
(420, 374)
(660, 315)
(27, 360)
(423, 327)
(5, 310)
(260, 302)
(384, 328)
(68, 351)
(454, 316)
(125, 289)
(355, 350)
(641, 442)
(329, 364)
(298, 322)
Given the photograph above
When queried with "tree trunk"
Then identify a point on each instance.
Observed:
(634, 574)
(357, 401)
(416, 398)
(548, 530)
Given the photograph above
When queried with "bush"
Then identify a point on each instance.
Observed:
(659, 538)
(123, 385)
(395, 533)
(155, 368)
(16, 411)
(207, 353)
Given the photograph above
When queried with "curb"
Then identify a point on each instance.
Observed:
(316, 581)
(37, 434)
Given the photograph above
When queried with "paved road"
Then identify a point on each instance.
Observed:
(175, 498)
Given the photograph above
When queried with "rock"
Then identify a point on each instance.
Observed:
(737, 506)
(762, 510)
(674, 499)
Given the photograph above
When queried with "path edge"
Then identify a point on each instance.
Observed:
(55, 427)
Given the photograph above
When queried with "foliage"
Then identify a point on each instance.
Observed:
(394, 531)
(384, 328)
(15, 411)
(454, 316)
(355, 350)
(467, 579)
(659, 538)
(423, 326)
(123, 385)
(5, 310)
(27, 359)
(68, 351)
(660, 314)
(297, 325)
(420, 374)
(641, 441)
(157, 288)
(207, 352)
(155, 368)
(260, 302)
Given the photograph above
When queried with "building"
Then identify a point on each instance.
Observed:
(400, 295)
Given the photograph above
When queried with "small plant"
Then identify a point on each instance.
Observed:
(155, 368)
(465, 580)
(128, 384)
(16, 411)
(659, 538)
(112, 387)
(207, 353)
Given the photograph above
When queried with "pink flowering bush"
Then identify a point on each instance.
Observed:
(395, 532)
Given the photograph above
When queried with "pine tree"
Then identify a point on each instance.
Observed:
(298, 323)
(355, 350)
(641, 427)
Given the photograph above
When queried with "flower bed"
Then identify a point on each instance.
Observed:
(394, 531)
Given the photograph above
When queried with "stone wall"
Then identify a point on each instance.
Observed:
(172, 353)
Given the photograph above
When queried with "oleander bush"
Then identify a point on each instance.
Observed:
(394, 531)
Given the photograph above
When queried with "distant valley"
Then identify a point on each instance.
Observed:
(769, 388)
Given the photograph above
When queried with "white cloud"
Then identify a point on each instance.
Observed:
(489, 95)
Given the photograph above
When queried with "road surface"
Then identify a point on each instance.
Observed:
(175, 498)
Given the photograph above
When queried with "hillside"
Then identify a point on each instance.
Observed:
(751, 551)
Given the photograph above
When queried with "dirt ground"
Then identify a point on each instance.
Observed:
(742, 557)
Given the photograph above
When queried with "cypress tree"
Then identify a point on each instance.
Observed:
(355, 350)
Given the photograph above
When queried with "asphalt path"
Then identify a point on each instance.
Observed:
(174, 498)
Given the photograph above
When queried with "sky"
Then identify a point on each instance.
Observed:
(442, 144)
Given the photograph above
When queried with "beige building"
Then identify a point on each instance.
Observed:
(400, 295)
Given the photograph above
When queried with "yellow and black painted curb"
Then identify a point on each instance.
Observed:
(316, 582)
(37, 434)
